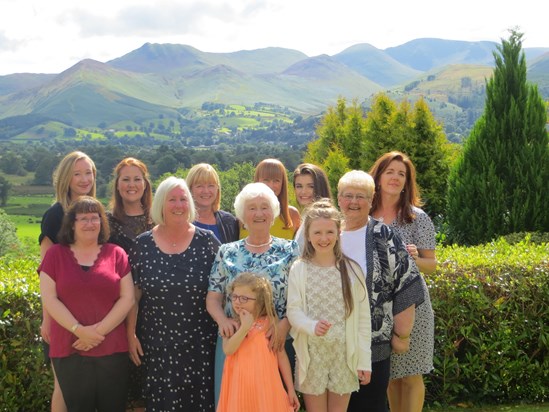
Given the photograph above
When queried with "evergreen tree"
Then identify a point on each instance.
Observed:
(499, 184)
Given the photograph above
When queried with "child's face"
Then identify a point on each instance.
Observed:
(323, 234)
(244, 292)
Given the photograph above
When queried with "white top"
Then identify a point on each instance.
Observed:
(353, 245)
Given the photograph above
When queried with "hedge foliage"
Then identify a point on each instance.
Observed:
(491, 307)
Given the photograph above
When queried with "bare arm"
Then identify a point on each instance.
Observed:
(286, 373)
(214, 306)
(295, 216)
(403, 324)
(425, 259)
(120, 309)
(231, 344)
(134, 346)
(46, 318)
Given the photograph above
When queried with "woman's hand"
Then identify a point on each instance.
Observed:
(412, 250)
(134, 349)
(45, 327)
(283, 327)
(364, 377)
(322, 327)
(400, 345)
(227, 327)
(88, 337)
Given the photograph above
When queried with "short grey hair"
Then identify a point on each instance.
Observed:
(357, 179)
(252, 191)
(165, 187)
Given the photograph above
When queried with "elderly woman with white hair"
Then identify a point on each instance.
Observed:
(257, 207)
(175, 337)
(392, 279)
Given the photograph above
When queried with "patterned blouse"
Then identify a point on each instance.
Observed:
(233, 258)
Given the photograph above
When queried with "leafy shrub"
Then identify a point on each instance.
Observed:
(25, 382)
(8, 237)
(491, 318)
(491, 323)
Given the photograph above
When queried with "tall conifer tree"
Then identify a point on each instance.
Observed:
(499, 184)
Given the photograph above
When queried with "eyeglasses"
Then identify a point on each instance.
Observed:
(86, 221)
(240, 298)
(349, 197)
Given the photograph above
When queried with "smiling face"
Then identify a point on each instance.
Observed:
(204, 194)
(82, 178)
(323, 235)
(393, 178)
(131, 184)
(87, 226)
(304, 186)
(176, 206)
(258, 215)
(355, 204)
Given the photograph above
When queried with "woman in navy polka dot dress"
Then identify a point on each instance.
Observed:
(175, 337)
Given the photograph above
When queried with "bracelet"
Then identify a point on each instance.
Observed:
(74, 327)
(401, 337)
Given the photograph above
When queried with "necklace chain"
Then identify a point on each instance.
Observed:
(261, 245)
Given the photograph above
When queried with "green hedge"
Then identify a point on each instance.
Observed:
(491, 305)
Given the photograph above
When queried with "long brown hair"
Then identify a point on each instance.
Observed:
(263, 290)
(410, 195)
(273, 168)
(84, 204)
(323, 209)
(320, 180)
(116, 204)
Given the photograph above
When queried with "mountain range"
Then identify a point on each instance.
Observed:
(161, 79)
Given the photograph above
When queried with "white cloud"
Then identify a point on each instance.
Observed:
(50, 36)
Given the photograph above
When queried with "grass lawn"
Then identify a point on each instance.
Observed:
(28, 227)
(540, 407)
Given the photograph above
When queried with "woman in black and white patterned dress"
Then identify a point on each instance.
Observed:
(396, 202)
(176, 337)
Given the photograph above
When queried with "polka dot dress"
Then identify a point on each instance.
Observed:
(419, 359)
(177, 334)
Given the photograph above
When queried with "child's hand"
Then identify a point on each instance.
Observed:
(364, 377)
(322, 327)
(246, 319)
(294, 400)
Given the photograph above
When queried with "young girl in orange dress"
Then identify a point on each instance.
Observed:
(329, 312)
(252, 372)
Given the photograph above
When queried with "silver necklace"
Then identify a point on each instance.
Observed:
(261, 245)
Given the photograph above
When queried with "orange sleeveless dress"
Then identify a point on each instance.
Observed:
(251, 381)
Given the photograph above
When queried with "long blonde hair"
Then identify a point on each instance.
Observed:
(263, 290)
(62, 177)
(324, 209)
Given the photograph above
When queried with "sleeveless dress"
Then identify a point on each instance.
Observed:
(251, 380)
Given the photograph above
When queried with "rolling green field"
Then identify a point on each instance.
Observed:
(26, 212)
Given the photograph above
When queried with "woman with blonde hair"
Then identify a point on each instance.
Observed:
(204, 184)
(175, 337)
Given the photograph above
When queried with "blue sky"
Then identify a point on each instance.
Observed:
(50, 36)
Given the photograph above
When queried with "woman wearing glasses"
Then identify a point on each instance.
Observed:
(74, 176)
(257, 207)
(392, 280)
(87, 289)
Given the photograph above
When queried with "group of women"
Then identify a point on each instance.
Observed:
(171, 313)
